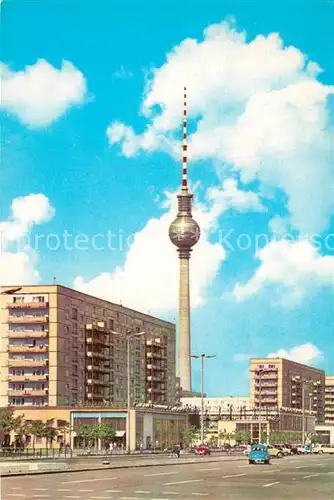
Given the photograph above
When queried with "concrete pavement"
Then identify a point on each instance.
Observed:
(300, 478)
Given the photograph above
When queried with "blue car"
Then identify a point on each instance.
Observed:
(259, 454)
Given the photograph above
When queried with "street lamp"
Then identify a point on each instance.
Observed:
(129, 336)
(202, 357)
(259, 373)
(303, 383)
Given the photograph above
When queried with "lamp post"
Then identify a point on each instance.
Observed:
(303, 383)
(129, 336)
(202, 357)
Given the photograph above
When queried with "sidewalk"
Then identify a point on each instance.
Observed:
(23, 468)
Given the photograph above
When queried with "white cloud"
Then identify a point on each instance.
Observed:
(295, 268)
(41, 93)
(260, 109)
(18, 266)
(305, 353)
(279, 226)
(148, 279)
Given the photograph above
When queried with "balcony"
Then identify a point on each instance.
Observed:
(98, 355)
(29, 319)
(27, 305)
(27, 362)
(27, 348)
(155, 355)
(151, 378)
(28, 392)
(155, 367)
(26, 334)
(27, 378)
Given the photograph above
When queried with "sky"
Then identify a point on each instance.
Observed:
(91, 117)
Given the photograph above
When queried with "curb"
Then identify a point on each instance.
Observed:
(116, 467)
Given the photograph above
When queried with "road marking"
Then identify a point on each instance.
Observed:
(72, 496)
(15, 495)
(113, 491)
(270, 484)
(40, 489)
(268, 471)
(200, 494)
(89, 480)
(184, 482)
(64, 489)
(160, 474)
(243, 466)
(311, 475)
(170, 493)
(142, 491)
(319, 465)
(130, 498)
(293, 461)
(234, 475)
(107, 498)
(302, 466)
(213, 468)
(86, 491)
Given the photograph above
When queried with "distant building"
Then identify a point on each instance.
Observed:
(281, 383)
(329, 399)
(57, 348)
(218, 406)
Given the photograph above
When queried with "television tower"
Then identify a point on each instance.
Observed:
(184, 233)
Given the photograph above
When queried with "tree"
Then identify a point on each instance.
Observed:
(35, 428)
(106, 432)
(50, 431)
(242, 437)
(189, 434)
(9, 423)
(84, 432)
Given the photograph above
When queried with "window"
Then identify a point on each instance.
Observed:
(110, 324)
(18, 300)
(74, 313)
(38, 298)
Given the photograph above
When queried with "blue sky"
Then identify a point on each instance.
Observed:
(94, 139)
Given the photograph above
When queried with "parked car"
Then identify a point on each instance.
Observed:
(238, 448)
(324, 448)
(285, 449)
(275, 452)
(202, 449)
(259, 454)
(305, 449)
(247, 449)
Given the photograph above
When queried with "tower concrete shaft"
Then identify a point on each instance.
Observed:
(184, 347)
(184, 233)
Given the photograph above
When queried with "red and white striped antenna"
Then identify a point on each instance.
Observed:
(184, 144)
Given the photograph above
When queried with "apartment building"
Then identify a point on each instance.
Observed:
(58, 347)
(281, 383)
(329, 399)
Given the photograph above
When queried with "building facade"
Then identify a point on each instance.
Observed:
(281, 383)
(329, 399)
(58, 347)
(149, 428)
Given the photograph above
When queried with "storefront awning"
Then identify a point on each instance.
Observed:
(120, 434)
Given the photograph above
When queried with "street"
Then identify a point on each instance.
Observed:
(300, 478)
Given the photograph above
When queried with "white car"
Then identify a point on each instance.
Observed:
(305, 450)
(324, 448)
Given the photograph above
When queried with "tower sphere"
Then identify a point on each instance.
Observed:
(184, 232)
